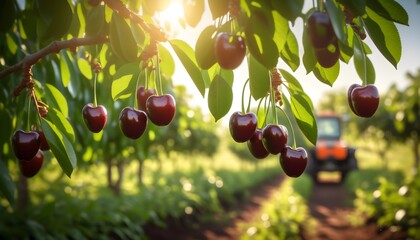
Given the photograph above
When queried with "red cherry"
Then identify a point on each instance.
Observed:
(30, 168)
(365, 100)
(44, 144)
(242, 126)
(328, 57)
(350, 102)
(321, 32)
(293, 161)
(94, 117)
(274, 138)
(229, 50)
(142, 95)
(256, 146)
(133, 122)
(161, 109)
(25, 144)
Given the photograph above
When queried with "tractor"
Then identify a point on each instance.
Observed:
(331, 154)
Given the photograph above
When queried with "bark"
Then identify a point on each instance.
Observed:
(115, 186)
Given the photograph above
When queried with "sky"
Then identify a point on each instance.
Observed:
(386, 74)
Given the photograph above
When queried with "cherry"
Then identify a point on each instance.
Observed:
(242, 126)
(229, 50)
(274, 138)
(351, 88)
(44, 144)
(142, 95)
(293, 161)
(321, 32)
(365, 100)
(31, 167)
(94, 117)
(25, 144)
(327, 57)
(161, 109)
(255, 145)
(133, 122)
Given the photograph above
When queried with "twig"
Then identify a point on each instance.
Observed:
(53, 47)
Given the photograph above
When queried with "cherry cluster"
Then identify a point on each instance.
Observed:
(271, 139)
(28, 147)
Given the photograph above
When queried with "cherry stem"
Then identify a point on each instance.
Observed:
(158, 73)
(266, 112)
(259, 104)
(28, 128)
(95, 101)
(136, 105)
(362, 48)
(291, 127)
(320, 7)
(243, 96)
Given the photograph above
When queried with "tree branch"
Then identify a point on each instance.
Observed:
(53, 47)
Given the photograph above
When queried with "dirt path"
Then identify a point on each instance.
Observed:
(330, 206)
(224, 229)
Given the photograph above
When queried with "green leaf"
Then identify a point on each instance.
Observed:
(138, 34)
(95, 21)
(11, 44)
(218, 8)
(167, 64)
(204, 51)
(62, 124)
(390, 10)
(8, 13)
(346, 50)
(7, 186)
(121, 38)
(186, 54)
(327, 75)
(64, 69)
(85, 68)
(362, 63)
(290, 52)
(220, 97)
(54, 20)
(357, 7)
(259, 78)
(309, 58)
(294, 85)
(288, 9)
(281, 31)
(337, 19)
(385, 35)
(193, 11)
(56, 99)
(124, 81)
(60, 147)
(259, 33)
(302, 111)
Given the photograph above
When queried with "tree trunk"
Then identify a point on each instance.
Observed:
(115, 186)
(23, 193)
(140, 172)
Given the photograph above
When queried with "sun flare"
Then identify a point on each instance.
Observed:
(172, 18)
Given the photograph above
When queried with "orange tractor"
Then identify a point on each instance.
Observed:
(331, 154)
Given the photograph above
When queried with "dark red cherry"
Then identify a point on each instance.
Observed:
(365, 100)
(31, 167)
(256, 146)
(229, 50)
(274, 138)
(44, 144)
(161, 109)
(350, 102)
(293, 161)
(133, 122)
(242, 126)
(142, 95)
(328, 57)
(321, 32)
(25, 144)
(94, 117)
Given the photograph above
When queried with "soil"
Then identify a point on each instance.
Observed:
(329, 205)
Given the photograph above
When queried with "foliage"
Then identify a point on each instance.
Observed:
(131, 49)
(281, 217)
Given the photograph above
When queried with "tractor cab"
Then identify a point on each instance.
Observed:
(331, 153)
